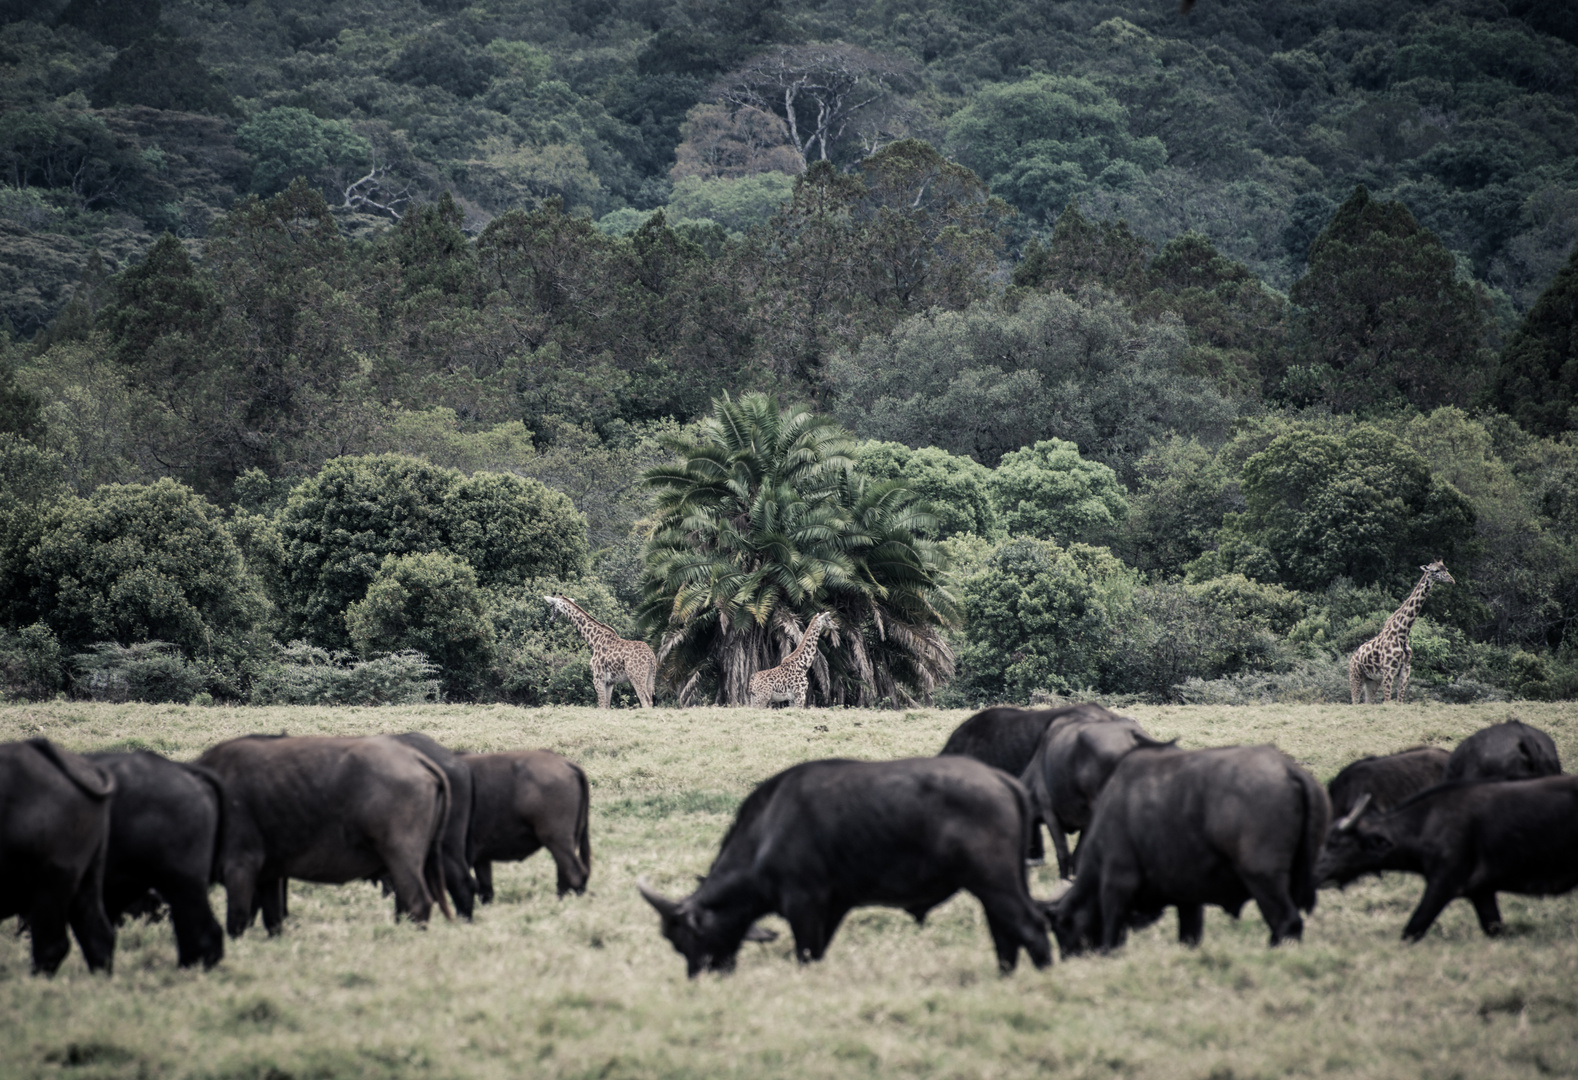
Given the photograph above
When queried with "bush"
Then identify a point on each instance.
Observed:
(307, 675)
(30, 662)
(427, 603)
(151, 671)
(542, 659)
(1314, 680)
(954, 487)
(1050, 492)
(1178, 633)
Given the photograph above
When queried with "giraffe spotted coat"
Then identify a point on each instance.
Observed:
(614, 659)
(789, 681)
(1387, 657)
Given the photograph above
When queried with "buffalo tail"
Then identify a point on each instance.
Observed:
(583, 836)
(433, 864)
(1317, 815)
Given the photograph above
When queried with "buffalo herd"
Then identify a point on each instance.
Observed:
(86, 839)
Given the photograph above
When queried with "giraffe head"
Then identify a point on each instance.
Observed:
(556, 605)
(1437, 573)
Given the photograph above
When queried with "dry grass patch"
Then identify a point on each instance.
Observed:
(585, 987)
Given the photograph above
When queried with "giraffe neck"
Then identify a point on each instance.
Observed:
(805, 652)
(1402, 619)
(590, 629)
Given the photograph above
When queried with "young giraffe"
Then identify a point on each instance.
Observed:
(1387, 655)
(789, 681)
(614, 660)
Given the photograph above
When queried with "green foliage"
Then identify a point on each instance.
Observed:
(151, 671)
(762, 524)
(338, 527)
(736, 204)
(1039, 616)
(1537, 381)
(955, 489)
(31, 663)
(1386, 318)
(304, 674)
(1362, 506)
(1048, 491)
(162, 72)
(427, 602)
(542, 659)
(287, 142)
(145, 562)
(1177, 507)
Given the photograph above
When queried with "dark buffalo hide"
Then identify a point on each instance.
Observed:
(526, 800)
(1509, 751)
(1388, 779)
(54, 836)
(457, 846)
(824, 837)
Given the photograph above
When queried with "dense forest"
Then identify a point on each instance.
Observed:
(1056, 348)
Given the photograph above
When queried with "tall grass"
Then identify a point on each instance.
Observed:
(585, 987)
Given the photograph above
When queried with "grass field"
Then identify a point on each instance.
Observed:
(585, 987)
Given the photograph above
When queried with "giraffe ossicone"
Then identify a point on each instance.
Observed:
(790, 681)
(1387, 657)
(614, 659)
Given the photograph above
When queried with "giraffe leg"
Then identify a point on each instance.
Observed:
(642, 683)
(1386, 684)
(1402, 680)
(604, 692)
(1356, 680)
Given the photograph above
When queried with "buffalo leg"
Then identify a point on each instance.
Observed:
(571, 874)
(1065, 864)
(484, 872)
(1270, 892)
(241, 881)
(458, 881)
(198, 938)
(1191, 923)
(1117, 895)
(1014, 925)
(91, 926)
(812, 925)
(1435, 899)
(1488, 910)
(271, 896)
(46, 923)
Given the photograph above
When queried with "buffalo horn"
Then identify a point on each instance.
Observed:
(665, 907)
(1352, 819)
(760, 933)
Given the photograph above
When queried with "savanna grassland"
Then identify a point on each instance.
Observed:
(586, 987)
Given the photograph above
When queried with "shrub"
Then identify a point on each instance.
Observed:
(427, 603)
(542, 659)
(955, 487)
(307, 675)
(151, 671)
(1049, 491)
(30, 662)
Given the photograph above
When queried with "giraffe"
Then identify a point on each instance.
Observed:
(1387, 656)
(614, 660)
(789, 681)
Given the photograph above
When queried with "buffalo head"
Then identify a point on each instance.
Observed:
(1354, 847)
(708, 939)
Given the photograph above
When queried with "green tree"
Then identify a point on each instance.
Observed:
(1537, 381)
(1177, 507)
(761, 524)
(146, 562)
(337, 528)
(1048, 491)
(955, 488)
(1386, 318)
(288, 142)
(428, 601)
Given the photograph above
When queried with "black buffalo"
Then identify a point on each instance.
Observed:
(332, 810)
(1006, 738)
(527, 800)
(1468, 838)
(457, 845)
(1509, 751)
(1388, 779)
(165, 824)
(54, 836)
(824, 837)
(1190, 828)
(1071, 764)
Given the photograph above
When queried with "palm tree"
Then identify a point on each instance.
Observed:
(763, 522)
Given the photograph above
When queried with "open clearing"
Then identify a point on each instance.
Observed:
(586, 987)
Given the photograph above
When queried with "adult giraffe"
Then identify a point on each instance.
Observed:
(789, 681)
(614, 660)
(1387, 656)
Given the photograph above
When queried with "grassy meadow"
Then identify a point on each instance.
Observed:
(586, 987)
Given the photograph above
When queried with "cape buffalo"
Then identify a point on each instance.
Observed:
(525, 800)
(1190, 828)
(332, 810)
(1387, 780)
(457, 845)
(1468, 838)
(165, 824)
(54, 835)
(1071, 764)
(823, 837)
(1509, 751)
(1006, 738)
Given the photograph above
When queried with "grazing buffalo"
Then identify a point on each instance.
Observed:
(1388, 780)
(54, 836)
(165, 824)
(1190, 828)
(827, 836)
(1006, 738)
(1071, 765)
(1468, 838)
(1509, 751)
(457, 846)
(525, 800)
(331, 810)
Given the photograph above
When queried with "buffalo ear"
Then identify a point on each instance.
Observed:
(664, 906)
(760, 933)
